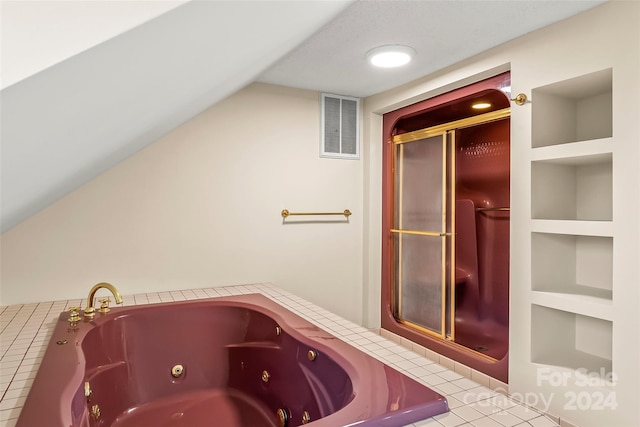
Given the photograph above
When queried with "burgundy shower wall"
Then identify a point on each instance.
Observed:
(482, 176)
(482, 238)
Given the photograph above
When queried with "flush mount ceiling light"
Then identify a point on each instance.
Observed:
(390, 56)
(481, 105)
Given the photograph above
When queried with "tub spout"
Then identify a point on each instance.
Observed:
(90, 311)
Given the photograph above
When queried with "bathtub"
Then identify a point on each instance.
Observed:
(230, 361)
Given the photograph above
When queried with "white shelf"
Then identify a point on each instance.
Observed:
(574, 153)
(573, 227)
(575, 359)
(586, 305)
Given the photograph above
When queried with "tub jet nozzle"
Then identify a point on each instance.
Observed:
(177, 371)
(283, 417)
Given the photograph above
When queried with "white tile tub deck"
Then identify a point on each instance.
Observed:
(474, 399)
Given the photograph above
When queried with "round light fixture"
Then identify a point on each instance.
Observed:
(390, 56)
(480, 105)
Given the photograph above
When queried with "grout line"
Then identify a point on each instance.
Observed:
(27, 321)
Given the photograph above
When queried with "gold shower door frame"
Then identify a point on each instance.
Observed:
(442, 234)
(447, 274)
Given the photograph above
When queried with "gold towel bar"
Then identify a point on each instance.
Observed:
(285, 213)
(492, 209)
(420, 233)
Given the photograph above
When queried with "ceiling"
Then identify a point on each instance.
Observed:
(69, 122)
(442, 33)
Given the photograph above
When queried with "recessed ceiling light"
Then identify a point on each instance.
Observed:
(480, 105)
(390, 56)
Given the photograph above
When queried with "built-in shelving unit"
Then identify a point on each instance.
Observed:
(575, 234)
(572, 218)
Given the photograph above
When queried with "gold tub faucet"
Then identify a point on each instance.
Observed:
(90, 312)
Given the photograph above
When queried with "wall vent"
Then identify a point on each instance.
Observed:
(340, 126)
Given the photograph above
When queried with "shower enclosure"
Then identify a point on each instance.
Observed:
(446, 225)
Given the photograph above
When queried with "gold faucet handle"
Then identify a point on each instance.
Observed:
(74, 314)
(89, 313)
(104, 304)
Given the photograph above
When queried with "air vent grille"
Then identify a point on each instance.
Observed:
(340, 126)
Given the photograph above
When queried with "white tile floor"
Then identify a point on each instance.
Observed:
(472, 396)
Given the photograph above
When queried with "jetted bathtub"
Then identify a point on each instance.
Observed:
(230, 361)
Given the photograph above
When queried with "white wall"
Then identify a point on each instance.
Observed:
(201, 207)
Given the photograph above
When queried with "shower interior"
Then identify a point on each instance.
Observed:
(449, 272)
(482, 238)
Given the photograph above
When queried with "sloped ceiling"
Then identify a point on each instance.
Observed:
(37, 34)
(74, 120)
(67, 124)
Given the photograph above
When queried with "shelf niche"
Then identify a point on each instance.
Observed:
(577, 109)
(570, 340)
(579, 265)
(573, 188)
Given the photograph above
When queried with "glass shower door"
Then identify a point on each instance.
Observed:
(422, 230)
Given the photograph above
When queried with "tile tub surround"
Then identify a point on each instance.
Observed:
(26, 330)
